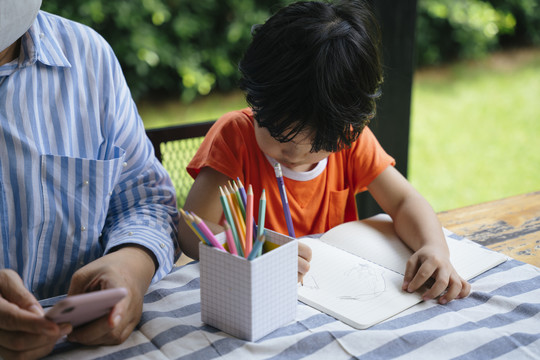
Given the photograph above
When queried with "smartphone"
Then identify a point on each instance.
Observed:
(83, 308)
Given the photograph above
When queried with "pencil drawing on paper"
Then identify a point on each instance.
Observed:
(359, 282)
(365, 282)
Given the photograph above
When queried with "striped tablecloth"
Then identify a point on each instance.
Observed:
(500, 319)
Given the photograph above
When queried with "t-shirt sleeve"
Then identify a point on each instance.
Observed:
(367, 160)
(224, 147)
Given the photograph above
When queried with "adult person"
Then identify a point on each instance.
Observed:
(84, 203)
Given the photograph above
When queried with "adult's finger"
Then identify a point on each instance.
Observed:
(13, 291)
(19, 341)
(35, 353)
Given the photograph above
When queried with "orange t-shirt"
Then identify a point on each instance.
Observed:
(318, 200)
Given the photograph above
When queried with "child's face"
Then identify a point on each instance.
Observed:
(294, 154)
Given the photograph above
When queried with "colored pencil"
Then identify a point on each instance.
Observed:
(257, 247)
(262, 215)
(241, 201)
(244, 199)
(242, 191)
(230, 238)
(229, 217)
(192, 227)
(284, 201)
(208, 233)
(249, 220)
(241, 230)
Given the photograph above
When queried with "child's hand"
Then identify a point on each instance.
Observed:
(431, 263)
(304, 257)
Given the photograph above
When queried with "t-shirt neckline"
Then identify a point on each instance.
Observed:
(300, 175)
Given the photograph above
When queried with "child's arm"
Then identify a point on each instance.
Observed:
(203, 200)
(417, 225)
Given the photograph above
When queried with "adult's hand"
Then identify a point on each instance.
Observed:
(24, 331)
(131, 267)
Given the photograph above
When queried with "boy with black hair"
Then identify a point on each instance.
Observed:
(311, 76)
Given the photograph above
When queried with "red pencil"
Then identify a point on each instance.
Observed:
(207, 232)
(229, 237)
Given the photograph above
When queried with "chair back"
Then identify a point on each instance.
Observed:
(174, 147)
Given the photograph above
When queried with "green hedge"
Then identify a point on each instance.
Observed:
(190, 47)
(460, 29)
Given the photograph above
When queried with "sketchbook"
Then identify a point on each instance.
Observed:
(357, 270)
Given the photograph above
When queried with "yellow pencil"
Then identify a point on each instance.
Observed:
(236, 218)
(189, 223)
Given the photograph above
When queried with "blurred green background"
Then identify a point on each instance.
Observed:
(475, 126)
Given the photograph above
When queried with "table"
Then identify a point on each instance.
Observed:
(500, 319)
(510, 225)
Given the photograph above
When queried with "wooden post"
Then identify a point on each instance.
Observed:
(397, 20)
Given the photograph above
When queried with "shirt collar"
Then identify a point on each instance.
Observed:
(40, 44)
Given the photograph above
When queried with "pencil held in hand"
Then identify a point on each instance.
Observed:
(284, 200)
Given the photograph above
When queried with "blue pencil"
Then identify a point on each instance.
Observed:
(257, 247)
(284, 201)
(243, 196)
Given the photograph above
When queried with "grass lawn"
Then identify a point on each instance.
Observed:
(475, 130)
(475, 127)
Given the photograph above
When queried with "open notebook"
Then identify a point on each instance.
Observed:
(357, 271)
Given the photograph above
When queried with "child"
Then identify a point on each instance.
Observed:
(311, 77)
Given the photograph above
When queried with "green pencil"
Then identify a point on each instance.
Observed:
(262, 215)
(228, 216)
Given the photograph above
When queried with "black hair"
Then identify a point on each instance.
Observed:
(314, 66)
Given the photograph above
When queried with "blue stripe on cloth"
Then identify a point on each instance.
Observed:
(300, 326)
(501, 346)
(221, 346)
(473, 300)
(216, 349)
(160, 294)
(310, 344)
(138, 350)
(402, 345)
(175, 313)
(160, 340)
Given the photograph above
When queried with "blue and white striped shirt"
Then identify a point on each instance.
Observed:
(78, 175)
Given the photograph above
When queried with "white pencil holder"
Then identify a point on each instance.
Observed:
(249, 299)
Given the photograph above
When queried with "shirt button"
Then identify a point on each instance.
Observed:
(86, 182)
(130, 233)
(83, 228)
(41, 35)
(162, 245)
(124, 164)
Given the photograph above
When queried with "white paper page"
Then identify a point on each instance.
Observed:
(351, 289)
(470, 260)
(373, 239)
